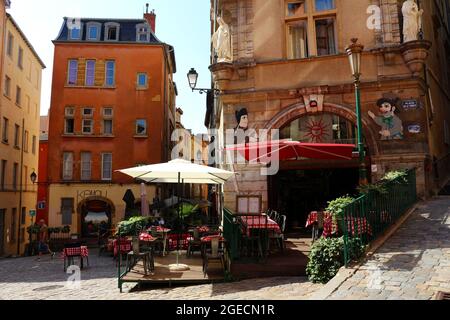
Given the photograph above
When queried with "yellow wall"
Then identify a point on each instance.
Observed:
(29, 80)
(113, 193)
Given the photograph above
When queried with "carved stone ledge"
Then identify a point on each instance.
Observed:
(415, 53)
(222, 74)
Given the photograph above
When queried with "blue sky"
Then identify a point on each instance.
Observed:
(182, 23)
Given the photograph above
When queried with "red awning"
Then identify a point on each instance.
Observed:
(266, 151)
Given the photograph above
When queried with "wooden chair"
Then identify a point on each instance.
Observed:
(134, 256)
(215, 254)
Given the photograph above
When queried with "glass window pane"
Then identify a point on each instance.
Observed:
(107, 126)
(73, 71)
(90, 72)
(325, 37)
(110, 73)
(112, 33)
(142, 79)
(298, 41)
(296, 8)
(141, 127)
(322, 5)
(106, 166)
(93, 31)
(143, 37)
(67, 165)
(75, 34)
(85, 166)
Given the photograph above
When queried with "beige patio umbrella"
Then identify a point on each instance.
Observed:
(179, 171)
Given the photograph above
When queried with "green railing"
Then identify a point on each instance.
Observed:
(232, 233)
(371, 214)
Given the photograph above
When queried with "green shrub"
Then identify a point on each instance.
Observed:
(327, 257)
(336, 206)
(133, 225)
(399, 175)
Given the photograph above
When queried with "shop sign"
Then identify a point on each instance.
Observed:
(414, 128)
(411, 104)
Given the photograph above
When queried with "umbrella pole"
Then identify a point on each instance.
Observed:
(179, 217)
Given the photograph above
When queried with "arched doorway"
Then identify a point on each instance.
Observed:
(306, 185)
(96, 216)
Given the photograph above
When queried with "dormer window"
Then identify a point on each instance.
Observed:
(112, 31)
(143, 33)
(93, 31)
(75, 28)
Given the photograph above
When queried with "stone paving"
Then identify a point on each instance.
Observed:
(26, 278)
(413, 264)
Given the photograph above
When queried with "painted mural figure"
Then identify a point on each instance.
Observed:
(222, 42)
(391, 125)
(412, 20)
(243, 129)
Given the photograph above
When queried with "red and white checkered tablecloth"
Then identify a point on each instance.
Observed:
(209, 238)
(77, 251)
(160, 229)
(125, 246)
(358, 226)
(259, 222)
(313, 217)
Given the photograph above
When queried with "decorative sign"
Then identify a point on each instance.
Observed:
(414, 128)
(41, 205)
(411, 104)
(32, 213)
(314, 103)
(91, 193)
(374, 168)
(391, 126)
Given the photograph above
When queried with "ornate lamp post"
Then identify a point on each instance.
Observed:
(192, 79)
(33, 177)
(354, 52)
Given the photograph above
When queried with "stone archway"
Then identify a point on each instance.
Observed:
(298, 110)
(95, 216)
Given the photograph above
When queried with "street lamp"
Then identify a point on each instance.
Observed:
(354, 52)
(192, 79)
(33, 177)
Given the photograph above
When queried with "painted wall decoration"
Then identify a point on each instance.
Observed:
(414, 128)
(317, 131)
(242, 127)
(411, 104)
(313, 103)
(391, 125)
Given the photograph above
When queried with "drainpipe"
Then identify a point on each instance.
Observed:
(19, 211)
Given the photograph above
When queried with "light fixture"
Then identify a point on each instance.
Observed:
(354, 52)
(33, 177)
(192, 79)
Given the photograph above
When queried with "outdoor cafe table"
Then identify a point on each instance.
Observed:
(164, 232)
(82, 252)
(259, 222)
(327, 222)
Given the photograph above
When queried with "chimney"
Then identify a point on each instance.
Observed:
(151, 18)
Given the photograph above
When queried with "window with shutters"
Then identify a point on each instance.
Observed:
(310, 28)
(67, 211)
(67, 166)
(86, 164)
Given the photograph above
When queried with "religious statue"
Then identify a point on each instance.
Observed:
(222, 42)
(391, 125)
(412, 20)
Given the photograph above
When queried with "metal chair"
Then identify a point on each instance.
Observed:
(134, 256)
(194, 244)
(69, 258)
(279, 237)
(215, 254)
(159, 242)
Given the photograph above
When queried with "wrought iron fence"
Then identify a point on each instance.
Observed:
(247, 236)
(371, 214)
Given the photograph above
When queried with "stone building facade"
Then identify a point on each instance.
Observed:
(288, 53)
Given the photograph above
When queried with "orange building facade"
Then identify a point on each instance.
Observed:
(112, 107)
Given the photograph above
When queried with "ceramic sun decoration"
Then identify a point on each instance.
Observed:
(222, 42)
(412, 20)
(391, 125)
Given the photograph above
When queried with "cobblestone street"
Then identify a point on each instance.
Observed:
(413, 264)
(26, 278)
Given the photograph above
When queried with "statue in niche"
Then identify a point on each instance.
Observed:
(412, 20)
(242, 131)
(391, 125)
(221, 40)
